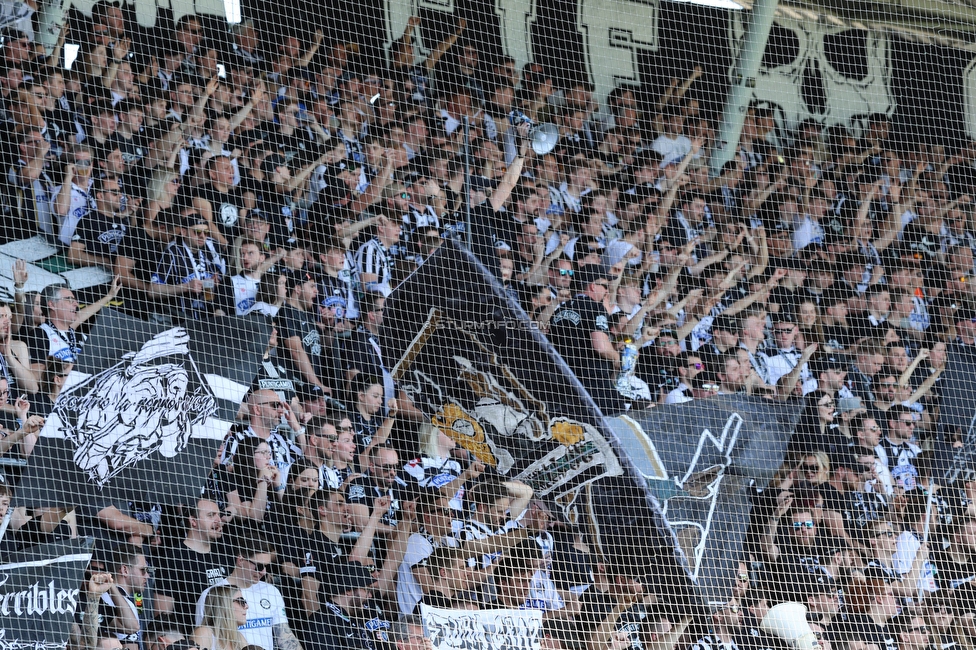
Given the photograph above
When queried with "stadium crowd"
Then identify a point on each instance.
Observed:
(218, 173)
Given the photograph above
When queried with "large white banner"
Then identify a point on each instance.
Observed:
(490, 629)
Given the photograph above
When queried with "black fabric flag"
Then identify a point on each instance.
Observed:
(40, 593)
(143, 412)
(466, 356)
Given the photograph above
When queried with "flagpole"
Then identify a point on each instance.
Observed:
(925, 534)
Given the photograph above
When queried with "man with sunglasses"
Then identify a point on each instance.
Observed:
(265, 410)
(380, 480)
(267, 624)
(899, 446)
(690, 367)
(580, 332)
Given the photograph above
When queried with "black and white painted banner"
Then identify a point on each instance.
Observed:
(143, 412)
(471, 364)
(489, 629)
(40, 593)
(698, 459)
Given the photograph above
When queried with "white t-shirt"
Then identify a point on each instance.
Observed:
(419, 547)
(265, 609)
(904, 557)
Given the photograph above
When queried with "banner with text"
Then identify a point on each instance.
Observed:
(40, 592)
(143, 412)
(489, 629)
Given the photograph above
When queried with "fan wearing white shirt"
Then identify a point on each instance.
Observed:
(267, 625)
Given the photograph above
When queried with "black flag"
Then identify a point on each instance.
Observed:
(143, 412)
(468, 358)
(40, 593)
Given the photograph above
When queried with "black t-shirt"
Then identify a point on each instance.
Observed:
(596, 605)
(364, 491)
(296, 322)
(145, 252)
(279, 210)
(365, 430)
(839, 338)
(183, 574)
(860, 627)
(359, 353)
(333, 629)
(956, 579)
(225, 207)
(570, 330)
(859, 509)
(133, 149)
(101, 234)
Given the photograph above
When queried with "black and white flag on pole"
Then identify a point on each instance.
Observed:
(40, 593)
(143, 412)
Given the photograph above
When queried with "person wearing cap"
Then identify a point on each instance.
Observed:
(297, 324)
(820, 595)
(435, 517)
(613, 604)
(580, 332)
(195, 263)
(830, 371)
(336, 626)
(335, 267)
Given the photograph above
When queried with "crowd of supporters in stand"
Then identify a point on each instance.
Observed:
(220, 172)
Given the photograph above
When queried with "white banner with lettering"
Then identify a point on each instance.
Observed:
(490, 629)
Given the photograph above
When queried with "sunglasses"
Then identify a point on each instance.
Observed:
(241, 602)
(565, 272)
(803, 524)
(811, 468)
(696, 366)
(259, 567)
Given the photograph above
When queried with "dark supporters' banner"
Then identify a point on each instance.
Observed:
(39, 594)
(143, 412)
(957, 416)
(704, 461)
(495, 386)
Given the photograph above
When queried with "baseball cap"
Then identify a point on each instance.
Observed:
(783, 316)
(272, 162)
(590, 273)
(299, 278)
(828, 362)
(725, 323)
(308, 392)
(346, 576)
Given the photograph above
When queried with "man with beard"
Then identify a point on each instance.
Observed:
(218, 200)
(690, 366)
(381, 480)
(237, 294)
(185, 570)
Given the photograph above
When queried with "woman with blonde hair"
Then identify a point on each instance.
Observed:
(224, 611)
